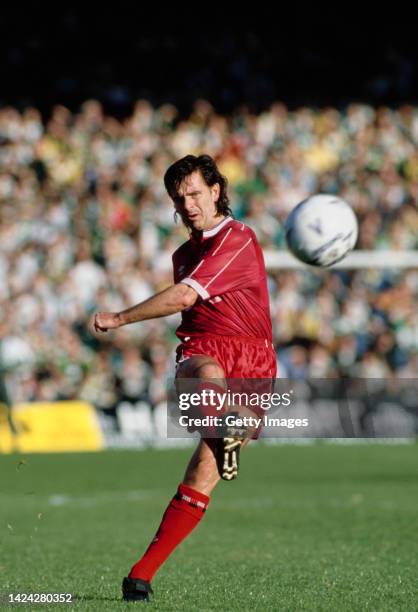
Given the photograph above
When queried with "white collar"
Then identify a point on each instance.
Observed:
(212, 232)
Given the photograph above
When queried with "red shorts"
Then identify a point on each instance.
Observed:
(239, 356)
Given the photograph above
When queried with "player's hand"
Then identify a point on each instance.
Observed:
(106, 320)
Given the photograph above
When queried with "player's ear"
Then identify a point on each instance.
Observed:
(216, 190)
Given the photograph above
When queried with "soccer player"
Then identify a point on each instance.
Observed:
(220, 287)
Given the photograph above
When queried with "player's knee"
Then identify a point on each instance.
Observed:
(200, 366)
(210, 369)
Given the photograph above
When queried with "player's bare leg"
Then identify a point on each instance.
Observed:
(213, 457)
(202, 472)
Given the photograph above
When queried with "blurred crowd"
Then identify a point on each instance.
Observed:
(86, 225)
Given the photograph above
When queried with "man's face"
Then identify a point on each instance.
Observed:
(196, 202)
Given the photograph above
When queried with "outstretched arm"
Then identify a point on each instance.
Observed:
(167, 302)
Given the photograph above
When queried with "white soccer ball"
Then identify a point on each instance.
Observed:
(321, 230)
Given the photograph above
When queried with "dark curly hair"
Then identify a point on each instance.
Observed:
(207, 167)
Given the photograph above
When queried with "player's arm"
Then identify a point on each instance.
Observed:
(167, 302)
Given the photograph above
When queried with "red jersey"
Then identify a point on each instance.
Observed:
(225, 266)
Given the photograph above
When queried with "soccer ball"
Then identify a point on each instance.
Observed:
(321, 230)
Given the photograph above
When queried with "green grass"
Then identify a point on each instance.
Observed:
(316, 527)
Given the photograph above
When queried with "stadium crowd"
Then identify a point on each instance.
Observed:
(85, 224)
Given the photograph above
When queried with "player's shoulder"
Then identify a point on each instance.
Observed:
(232, 235)
(238, 227)
(240, 232)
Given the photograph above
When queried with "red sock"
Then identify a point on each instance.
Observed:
(184, 512)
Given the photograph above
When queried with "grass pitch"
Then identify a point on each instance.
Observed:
(317, 527)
